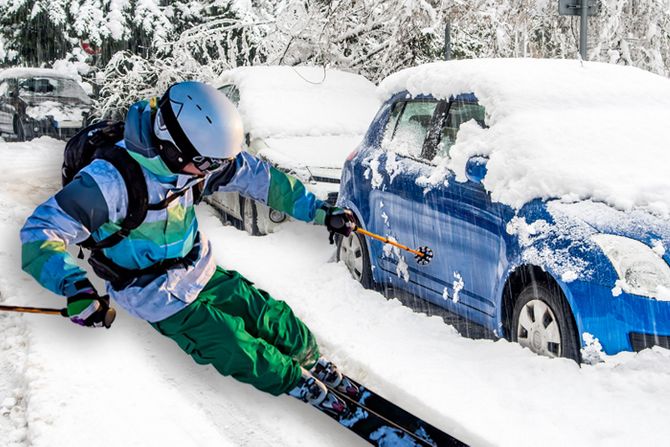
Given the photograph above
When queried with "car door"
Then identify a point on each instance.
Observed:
(461, 224)
(6, 108)
(392, 171)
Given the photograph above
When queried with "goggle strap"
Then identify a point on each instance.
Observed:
(175, 130)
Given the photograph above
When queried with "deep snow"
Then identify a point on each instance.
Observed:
(59, 383)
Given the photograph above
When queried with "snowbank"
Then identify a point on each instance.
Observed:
(558, 128)
(302, 101)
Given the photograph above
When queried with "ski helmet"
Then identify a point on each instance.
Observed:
(197, 123)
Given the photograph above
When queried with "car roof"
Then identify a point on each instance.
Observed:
(302, 100)
(557, 128)
(29, 72)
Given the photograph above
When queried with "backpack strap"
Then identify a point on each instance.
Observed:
(138, 196)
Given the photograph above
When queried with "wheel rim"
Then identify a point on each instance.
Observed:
(351, 253)
(538, 329)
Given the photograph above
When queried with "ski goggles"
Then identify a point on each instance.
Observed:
(207, 164)
(175, 157)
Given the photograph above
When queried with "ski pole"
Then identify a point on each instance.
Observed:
(110, 315)
(423, 255)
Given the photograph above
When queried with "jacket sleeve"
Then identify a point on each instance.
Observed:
(260, 181)
(67, 218)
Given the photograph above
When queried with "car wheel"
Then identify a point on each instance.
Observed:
(353, 251)
(542, 322)
(249, 215)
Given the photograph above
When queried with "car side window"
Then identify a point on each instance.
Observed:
(410, 127)
(460, 112)
(232, 92)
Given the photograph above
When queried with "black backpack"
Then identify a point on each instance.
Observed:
(98, 141)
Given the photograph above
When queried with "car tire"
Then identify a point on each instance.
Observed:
(353, 251)
(542, 321)
(249, 215)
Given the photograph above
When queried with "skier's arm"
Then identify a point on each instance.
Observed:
(260, 181)
(66, 218)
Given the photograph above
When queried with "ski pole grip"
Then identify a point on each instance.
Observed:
(110, 316)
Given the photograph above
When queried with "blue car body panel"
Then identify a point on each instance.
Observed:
(477, 245)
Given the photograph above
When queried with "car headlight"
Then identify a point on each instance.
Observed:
(640, 270)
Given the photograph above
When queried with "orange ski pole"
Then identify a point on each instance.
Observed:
(110, 315)
(423, 255)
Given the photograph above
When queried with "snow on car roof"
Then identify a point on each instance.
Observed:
(293, 101)
(557, 128)
(24, 72)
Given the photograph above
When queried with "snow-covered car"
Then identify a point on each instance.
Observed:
(303, 120)
(542, 188)
(38, 101)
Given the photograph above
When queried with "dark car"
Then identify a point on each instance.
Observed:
(36, 102)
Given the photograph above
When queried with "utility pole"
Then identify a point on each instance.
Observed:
(583, 9)
(583, 28)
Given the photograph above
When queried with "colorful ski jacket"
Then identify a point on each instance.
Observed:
(95, 202)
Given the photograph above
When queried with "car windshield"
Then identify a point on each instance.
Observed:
(52, 87)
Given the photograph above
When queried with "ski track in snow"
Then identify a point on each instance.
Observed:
(60, 382)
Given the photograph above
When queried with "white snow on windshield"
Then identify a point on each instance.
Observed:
(558, 128)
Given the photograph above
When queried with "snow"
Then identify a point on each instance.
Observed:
(658, 247)
(313, 151)
(558, 128)
(280, 101)
(23, 72)
(59, 381)
(458, 286)
(535, 239)
(57, 111)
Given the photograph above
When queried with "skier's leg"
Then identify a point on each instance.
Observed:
(211, 336)
(264, 317)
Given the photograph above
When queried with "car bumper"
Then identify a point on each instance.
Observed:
(621, 323)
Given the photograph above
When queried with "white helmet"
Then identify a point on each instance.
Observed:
(197, 123)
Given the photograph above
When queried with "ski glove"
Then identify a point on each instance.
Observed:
(339, 220)
(87, 308)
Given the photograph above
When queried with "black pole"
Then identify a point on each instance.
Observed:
(583, 28)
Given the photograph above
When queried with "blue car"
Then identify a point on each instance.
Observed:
(553, 275)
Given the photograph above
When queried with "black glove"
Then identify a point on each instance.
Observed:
(87, 308)
(340, 221)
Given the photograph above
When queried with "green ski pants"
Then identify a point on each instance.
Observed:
(243, 332)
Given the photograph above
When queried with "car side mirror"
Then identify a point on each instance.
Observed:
(475, 168)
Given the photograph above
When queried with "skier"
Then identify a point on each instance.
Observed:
(163, 270)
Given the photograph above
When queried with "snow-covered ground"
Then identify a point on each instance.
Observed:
(65, 385)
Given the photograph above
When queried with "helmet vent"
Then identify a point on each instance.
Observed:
(208, 119)
(198, 106)
(189, 97)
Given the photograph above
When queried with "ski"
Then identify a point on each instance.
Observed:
(374, 428)
(367, 400)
